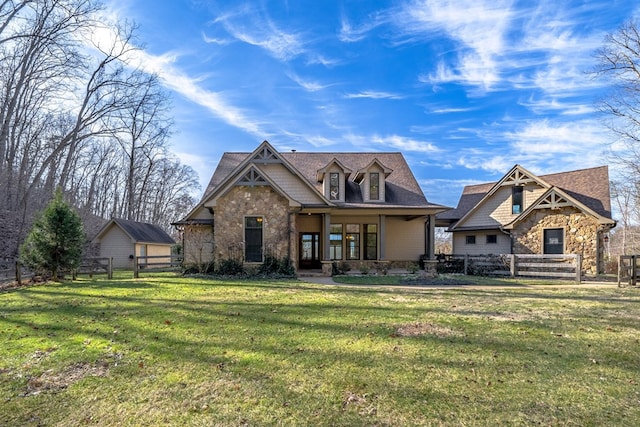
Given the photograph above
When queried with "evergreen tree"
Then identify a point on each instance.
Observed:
(55, 240)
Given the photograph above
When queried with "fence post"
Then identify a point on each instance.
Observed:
(136, 273)
(619, 269)
(110, 268)
(18, 273)
(578, 268)
(633, 270)
(512, 267)
(466, 264)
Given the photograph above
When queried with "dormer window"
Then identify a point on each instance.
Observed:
(334, 186)
(374, 186)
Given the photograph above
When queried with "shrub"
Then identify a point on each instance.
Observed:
(273, 266)
(55, 241)
(230, 267)
(364, 269)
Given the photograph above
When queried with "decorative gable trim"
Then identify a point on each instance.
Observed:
(252, 178)
(266, 154)
(555, 199)
(517, 176)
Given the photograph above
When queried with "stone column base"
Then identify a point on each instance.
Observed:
(429, 268)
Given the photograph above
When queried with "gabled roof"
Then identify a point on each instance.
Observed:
(555, 198)
(140, 232)
(361, 172)
(334, 161)
(589, 187)
(402, 189)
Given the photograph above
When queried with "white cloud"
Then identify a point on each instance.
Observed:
(213, 40)
(309, 86)
(350, 34)
(478, 27)
(262, 32)
(404, 144)
(373, 95)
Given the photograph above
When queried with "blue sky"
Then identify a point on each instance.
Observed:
(464, 89)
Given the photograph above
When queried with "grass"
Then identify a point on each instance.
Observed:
(446, 279)
(185, 351)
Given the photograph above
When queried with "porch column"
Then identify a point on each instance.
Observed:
(430, 237)
(382, 236)
(326, 232)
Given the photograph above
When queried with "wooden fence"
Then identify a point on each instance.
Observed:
(95, 265)
(552, 266)
(628, 269)
(156, 263)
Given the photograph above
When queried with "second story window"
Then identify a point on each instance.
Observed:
(334, 186)
(516, 200)
(374, 186)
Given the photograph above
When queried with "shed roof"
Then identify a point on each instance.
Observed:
(141, 232)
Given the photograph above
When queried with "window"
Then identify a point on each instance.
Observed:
(516, 200)
(470, 240)
(492, 239)
(370, 241)
(554, 241)
(253, 239)
(334, 186)
(374, 186)
(353, 241)
(335, 241)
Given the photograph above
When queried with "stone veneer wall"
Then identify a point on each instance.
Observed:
(244, 201)
(198, 245)
(580, 236)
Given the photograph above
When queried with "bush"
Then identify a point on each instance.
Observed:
(273, 266)
(230, 267)
(55, 241)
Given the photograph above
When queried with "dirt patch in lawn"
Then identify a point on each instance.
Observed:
(50, 381)
(421, 328)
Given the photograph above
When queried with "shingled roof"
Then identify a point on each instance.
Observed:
(402, 189)
(588, 186)
(140, 232)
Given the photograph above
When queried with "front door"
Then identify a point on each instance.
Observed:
(310, 250)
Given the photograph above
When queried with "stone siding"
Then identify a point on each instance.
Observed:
(244, 201)
(580, 234)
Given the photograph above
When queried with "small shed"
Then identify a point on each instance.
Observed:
(123, 240)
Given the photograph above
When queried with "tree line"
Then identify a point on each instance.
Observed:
(78, 115)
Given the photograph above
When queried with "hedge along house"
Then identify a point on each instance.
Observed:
(562, 213)
(314, 208)
(123, 240)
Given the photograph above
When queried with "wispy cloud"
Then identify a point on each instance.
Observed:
(351, 34)
(214, 40)
(404, 144)
(373, 95)
(308, 85)
(477, 26)
(249, 26)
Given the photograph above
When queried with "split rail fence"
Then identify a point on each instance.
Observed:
(566, 266)
(628, 269)
(156, 263)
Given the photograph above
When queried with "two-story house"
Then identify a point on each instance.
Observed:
(562, 213)
(314, 208)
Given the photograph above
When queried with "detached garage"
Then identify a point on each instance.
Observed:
(122, 240)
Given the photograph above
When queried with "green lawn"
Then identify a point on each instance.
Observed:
(176, 351)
